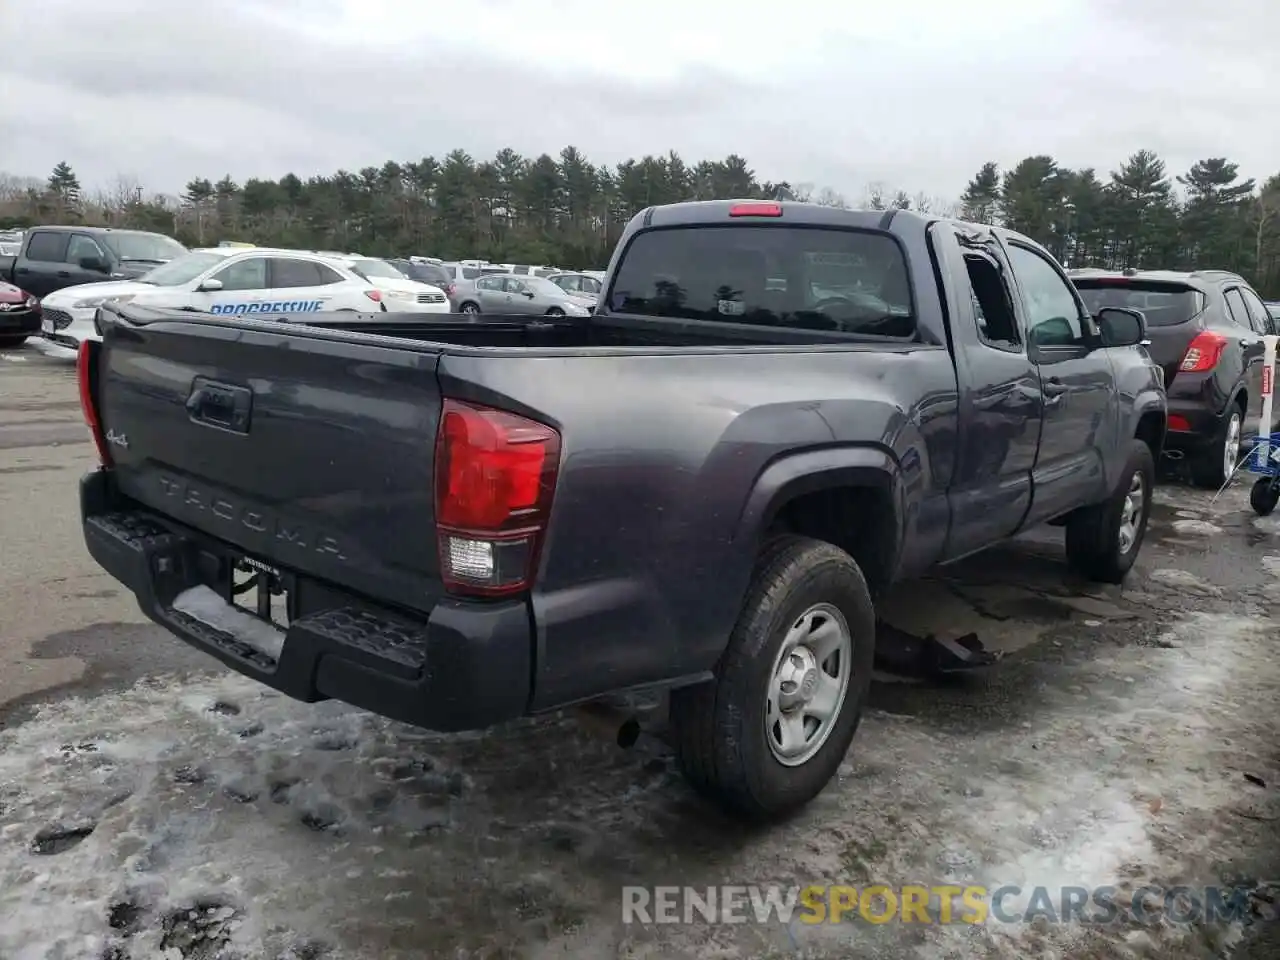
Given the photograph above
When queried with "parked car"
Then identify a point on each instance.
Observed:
(55, 257)
(1273, 308)
(703, 487)
(19, 315)
(228, 281)
(400, 293)
(577, 284)
(424, 272)
(507, 293)
(1205, 330)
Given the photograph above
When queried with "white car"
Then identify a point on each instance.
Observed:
(399, 292)
(223, 280)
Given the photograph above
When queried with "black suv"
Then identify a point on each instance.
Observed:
(1205, 330)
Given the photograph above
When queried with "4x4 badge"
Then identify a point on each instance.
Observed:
(118, 439)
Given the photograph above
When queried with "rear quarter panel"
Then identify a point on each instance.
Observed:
(649, 551)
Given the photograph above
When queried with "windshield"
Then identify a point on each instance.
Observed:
(804, 278)
(183, 270)
(377, 268)
(422, 272)
(1274, 310)
(1163, 304)
(144, 246)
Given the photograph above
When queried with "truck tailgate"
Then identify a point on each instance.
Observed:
(231, 431)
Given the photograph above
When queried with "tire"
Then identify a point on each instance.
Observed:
(555, 312)
(719, 728)
(1097, 545)
(1209, 469)
(1264, 496)
(13, 341)
(469, 308)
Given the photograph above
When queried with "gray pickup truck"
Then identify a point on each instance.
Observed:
(776, 411)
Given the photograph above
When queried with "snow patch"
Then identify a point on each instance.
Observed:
(1182, 580)
(203, 604)
(1271, 564)
(1199, 528)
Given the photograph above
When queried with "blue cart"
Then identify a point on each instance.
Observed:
(1264, 462)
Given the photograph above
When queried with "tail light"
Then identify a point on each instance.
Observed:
(495, 475)
(756, 210)
(374, 295)
(86, 378)
(1204, 353)
(449, 289)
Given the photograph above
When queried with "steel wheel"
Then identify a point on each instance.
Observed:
(807, 684)
(1131, 513)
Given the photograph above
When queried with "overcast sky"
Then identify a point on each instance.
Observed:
(912, 93)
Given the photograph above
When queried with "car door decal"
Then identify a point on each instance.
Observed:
(268, 306)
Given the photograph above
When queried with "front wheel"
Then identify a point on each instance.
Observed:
(767, 735)
(1264, 496)
(470, 309)
(1103, 540)
(555, 312)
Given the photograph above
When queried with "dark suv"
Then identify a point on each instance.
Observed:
(1205, 330)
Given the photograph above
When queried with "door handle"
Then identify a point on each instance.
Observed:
(1053, 387)
(23, 270)
(64, 273)
(1246, 342)
(220, 405)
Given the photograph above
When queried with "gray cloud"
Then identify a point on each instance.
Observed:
(917, 98)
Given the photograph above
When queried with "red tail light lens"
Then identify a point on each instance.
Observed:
(88, 402)
(449, 289)
(756, 210)
(374, 295)
(495, 475)
(1204, 353)
(1181, 424)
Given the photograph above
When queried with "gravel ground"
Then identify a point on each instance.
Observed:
(154, 805)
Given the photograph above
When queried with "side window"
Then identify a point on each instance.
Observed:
(48, 247)
(81, 246)
(1236, 309)
(513, 286)
(1258, 314)
(590, 284)
(328, 275)
(286, 272)
(1053, 313)
(489, 283)
(992, 306)
(250, 274)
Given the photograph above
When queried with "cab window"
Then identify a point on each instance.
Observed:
(47, 247)
(81, 246)
(250, 274)
(1053, 312)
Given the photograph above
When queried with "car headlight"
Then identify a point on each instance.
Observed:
(90, 302)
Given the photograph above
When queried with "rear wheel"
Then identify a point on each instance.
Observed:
(555, 312)
(1214, 466)
(1264, 496)
(1103, 540)
(770, 731)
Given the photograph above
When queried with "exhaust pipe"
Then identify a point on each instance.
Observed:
(620, 726)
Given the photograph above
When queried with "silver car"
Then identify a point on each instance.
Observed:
(504, 293)
(577, 284)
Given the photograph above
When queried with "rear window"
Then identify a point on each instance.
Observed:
(470, 273)
(804, 278)
(1163, 304)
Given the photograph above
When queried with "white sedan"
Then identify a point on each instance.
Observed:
(228, 281)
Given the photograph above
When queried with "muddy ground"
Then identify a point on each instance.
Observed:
(152, 804)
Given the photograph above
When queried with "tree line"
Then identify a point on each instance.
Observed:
(569, 212)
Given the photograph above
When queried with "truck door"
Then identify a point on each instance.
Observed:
(41, 267)
(999, 399)
(86, 262)
(1081, 409)
(1249, 341)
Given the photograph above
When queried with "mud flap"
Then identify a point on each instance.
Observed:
(902, 652)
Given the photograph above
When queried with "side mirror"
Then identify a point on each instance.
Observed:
(1121, 327)
(210, 286)
(96, 264)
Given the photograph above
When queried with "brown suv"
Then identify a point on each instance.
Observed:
(1205, 330)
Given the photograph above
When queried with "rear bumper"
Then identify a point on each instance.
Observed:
(1197, 407)
(465, 666)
